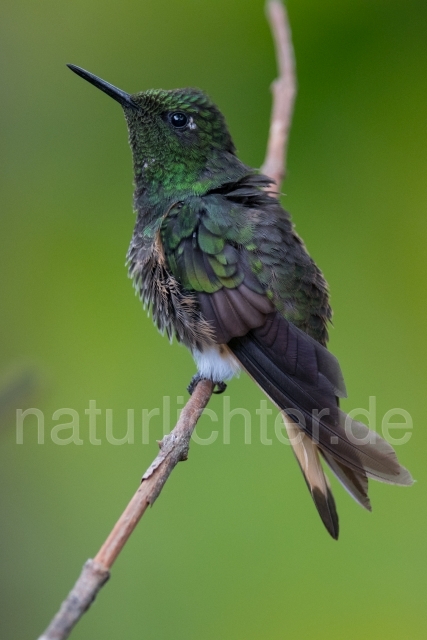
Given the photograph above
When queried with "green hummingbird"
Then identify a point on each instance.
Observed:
(217, 261)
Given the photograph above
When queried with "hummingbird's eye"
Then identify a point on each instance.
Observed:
(178, 119)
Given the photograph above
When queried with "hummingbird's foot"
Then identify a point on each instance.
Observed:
(194, 380)
(219, 387)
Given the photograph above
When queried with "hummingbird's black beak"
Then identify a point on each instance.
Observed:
(119, 95)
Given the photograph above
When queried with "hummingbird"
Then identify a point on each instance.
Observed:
(217, 261)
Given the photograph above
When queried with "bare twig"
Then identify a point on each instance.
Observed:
(284, 90)
(174, 447)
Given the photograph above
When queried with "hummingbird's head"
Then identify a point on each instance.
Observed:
(178, 135)
(179, 139)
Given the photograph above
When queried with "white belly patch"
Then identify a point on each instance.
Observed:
(216, 363)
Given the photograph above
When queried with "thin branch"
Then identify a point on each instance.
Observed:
(284, 90)
(174, 447)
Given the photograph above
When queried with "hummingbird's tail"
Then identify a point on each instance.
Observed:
(304, 380)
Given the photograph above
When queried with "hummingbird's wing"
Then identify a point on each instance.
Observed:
(285, 365)
(265, 298)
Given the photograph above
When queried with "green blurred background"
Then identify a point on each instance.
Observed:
(233, 548)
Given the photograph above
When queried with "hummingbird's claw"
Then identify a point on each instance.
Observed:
(194, 380)
(219, 387)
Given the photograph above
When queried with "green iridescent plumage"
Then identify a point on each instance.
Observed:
(216, 260)
(172, 162)
(215, 220)
(223, 240)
